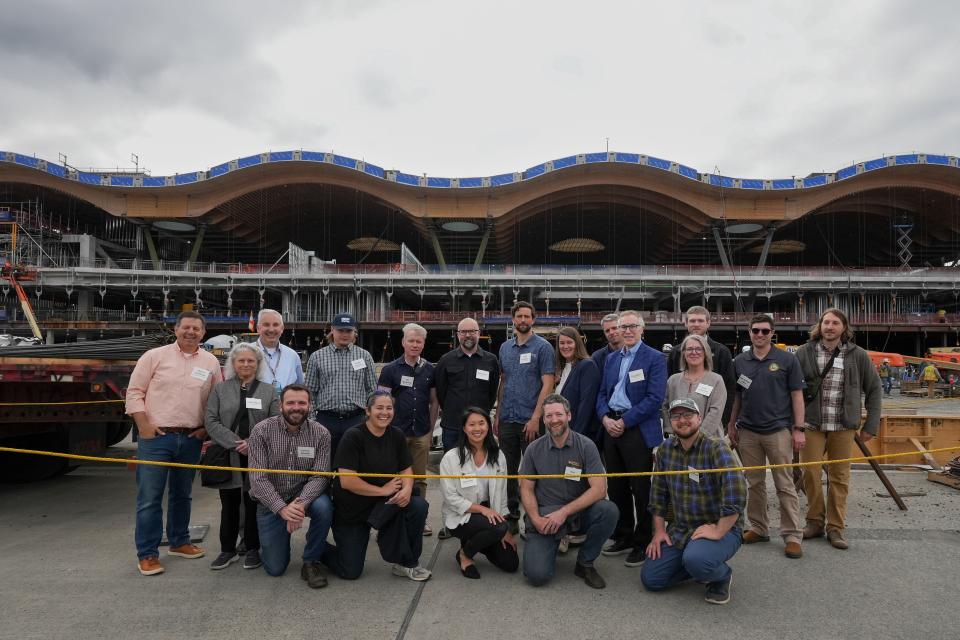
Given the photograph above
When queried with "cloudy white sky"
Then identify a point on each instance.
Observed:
(757, 89)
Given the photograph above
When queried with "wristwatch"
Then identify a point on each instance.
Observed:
(796, 428)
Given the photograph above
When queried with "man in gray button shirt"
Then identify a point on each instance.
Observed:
(559, 506)
(527, 365)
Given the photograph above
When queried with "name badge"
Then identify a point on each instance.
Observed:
(694, 475)
(525, 358)
(358, 364)
(254, 403)
(467, 482)
(744, 381)
(572, 471)
(200, 373)
(306, 452)
(406, 381)
(483, 374)
(704, 389)
(838, 363)
(637, 376)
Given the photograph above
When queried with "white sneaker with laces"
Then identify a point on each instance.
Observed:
(417, 574)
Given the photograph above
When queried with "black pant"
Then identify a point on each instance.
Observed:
(513, 443)
(626, 454)
(477, 535)
(230, 500)
(338, 426)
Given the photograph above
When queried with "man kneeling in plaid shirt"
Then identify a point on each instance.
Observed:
(706, 529)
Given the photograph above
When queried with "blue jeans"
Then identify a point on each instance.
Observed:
(703, 560)
(449, 438)
(887, 385)
(347, 557)
(540, 552)
(151, 482)
(275, 540)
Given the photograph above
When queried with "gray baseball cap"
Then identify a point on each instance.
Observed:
(685, 403)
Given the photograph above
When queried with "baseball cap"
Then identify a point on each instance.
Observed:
(685, 403)
(343, 321)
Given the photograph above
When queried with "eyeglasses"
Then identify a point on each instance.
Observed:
(682, 415)
(467, 332)
(629, 327)
(693, 350)
(758, 330)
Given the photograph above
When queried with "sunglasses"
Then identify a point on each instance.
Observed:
(758, 331)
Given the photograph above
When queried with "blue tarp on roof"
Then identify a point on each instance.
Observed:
(121, 181)
(249, 161)
(280, 156)
(219, 170)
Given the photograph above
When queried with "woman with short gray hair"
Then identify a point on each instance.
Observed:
(234, 407)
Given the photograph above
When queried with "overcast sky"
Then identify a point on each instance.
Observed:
(754, 89)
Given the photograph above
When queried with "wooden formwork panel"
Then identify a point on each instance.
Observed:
(903, 434)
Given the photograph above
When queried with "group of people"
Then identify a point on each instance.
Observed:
(559, 412)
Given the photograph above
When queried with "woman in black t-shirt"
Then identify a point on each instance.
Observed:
(387, 503)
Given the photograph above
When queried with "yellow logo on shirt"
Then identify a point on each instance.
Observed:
(774, 366)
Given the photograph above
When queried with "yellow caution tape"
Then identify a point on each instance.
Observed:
(51, 404)
(332, 474)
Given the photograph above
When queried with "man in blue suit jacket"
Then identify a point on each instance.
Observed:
(628, 405)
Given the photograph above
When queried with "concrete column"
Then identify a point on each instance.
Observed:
(85, 305)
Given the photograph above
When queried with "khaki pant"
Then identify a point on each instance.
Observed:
(931, 388)
(419, 447)
(830, 445)
(777, 447)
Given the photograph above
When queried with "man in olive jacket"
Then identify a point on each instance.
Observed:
(837, 372)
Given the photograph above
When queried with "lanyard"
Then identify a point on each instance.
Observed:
(273, 370)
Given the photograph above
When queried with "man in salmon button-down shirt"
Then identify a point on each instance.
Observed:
(166, 397)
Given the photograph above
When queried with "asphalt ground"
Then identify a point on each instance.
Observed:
(68, 570)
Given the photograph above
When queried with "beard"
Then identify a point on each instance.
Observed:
(522, 328)
(469, 343)
(294, 418)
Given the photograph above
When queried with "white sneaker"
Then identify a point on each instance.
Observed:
(417, 574)
(564, 545)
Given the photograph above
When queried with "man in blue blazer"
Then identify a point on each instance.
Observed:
(628, 405)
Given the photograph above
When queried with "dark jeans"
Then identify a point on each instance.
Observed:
(347, 556)
(887, 385)
(703, 560)
(230, 503)
(152, 481)
(477, 535)
(275, 540)
(540, 552)
(513, 444)
(449, 438)
(337, 427)
(629, 453)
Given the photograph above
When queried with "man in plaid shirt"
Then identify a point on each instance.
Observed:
(706, 529)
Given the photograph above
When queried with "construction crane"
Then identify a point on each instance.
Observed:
(10, 274)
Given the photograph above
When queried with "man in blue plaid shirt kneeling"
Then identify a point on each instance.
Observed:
(706, 529)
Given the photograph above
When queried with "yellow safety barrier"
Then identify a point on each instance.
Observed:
(52, 404)
(332, 474)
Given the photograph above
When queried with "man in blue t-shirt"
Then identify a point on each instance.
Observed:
(527, 365)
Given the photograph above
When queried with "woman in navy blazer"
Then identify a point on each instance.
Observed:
(578, 380)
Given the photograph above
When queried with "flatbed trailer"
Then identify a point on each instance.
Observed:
(59, 404)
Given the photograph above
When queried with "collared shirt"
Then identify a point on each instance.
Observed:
(764, 387)
(410, 387)
(618, 399)
(465, 381)
(831, 389)
(280, 366)
(271, 446)
(524, 366)
(340, 379)
(172, 387)
(543, 457)
(600, 357)
(697, 498)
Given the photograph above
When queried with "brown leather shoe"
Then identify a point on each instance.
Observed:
(812, 530)
(835, 536)
(150, 566)
(752, 536)
(186, 551)
(793, 550)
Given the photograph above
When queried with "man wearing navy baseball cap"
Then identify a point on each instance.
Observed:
(340, 377)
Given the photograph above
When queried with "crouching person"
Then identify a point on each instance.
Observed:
(708, 509)
(291, 442)
(564, 506)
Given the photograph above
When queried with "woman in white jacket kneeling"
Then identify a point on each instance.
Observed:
(475, 510)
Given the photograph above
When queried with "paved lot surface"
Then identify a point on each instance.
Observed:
(68, 570)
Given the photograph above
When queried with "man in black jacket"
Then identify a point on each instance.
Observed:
(698, 322)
